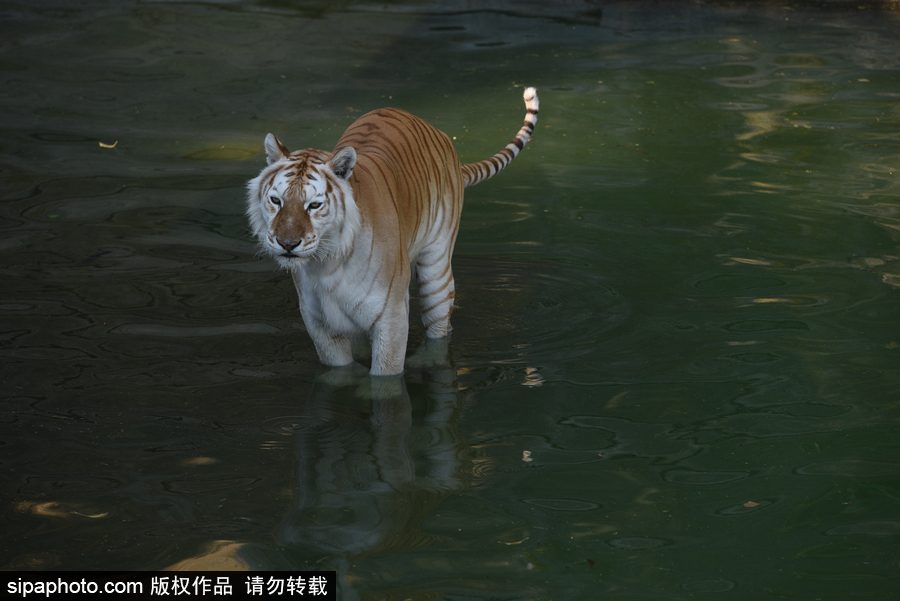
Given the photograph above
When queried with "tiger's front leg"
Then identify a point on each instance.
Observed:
(389, 336)
(333, 349)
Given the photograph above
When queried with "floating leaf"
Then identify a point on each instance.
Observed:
(751, 504)
(518, 542)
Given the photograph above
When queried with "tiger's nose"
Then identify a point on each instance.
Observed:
(288, 245)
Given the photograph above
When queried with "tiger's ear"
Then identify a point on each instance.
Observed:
(343, 162)
(275, 150)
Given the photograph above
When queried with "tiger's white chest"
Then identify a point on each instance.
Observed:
(347, 300)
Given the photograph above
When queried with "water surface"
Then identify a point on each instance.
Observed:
(680, 300)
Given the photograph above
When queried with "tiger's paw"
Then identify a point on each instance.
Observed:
(380, 388)
(364, 386)
(342, 376)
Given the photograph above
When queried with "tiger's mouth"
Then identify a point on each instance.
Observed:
(297, 253)
(294, 257)
(290, 260)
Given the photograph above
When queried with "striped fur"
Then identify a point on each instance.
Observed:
(353, 226)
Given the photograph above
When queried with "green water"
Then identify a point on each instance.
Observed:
(680, 300)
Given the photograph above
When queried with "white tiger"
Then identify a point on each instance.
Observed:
(354, 224)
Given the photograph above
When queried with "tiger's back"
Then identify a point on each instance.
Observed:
(418, 165)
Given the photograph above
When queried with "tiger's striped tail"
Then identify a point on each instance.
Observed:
(475, 173)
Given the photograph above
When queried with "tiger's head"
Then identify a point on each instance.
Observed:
(301, 205)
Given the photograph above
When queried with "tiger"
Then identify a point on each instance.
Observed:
(353, 227)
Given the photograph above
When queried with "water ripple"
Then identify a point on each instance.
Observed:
(541, 309)
(150, 329)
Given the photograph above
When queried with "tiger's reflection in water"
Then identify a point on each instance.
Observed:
(369, 467)
(373, 458)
